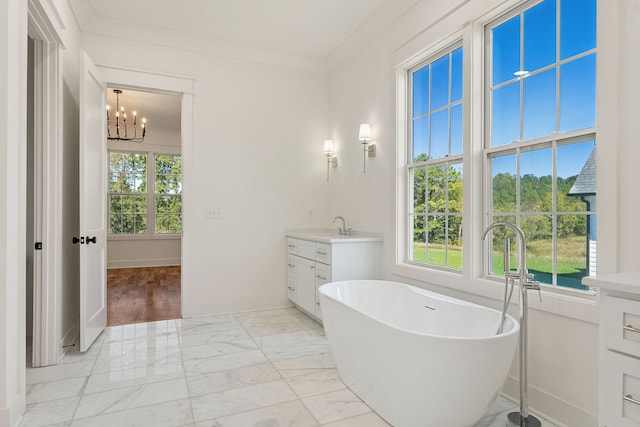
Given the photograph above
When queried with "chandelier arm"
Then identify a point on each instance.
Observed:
(125, 137)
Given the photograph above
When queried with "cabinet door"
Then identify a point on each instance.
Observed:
(323, 275)
(306, 284)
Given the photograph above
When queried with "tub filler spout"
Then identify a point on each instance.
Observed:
(525, 281)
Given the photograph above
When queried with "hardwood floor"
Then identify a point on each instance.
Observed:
(145, 294)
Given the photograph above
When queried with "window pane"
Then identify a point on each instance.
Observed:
(421, 139)
(540, 36)
(454, 190)
(440, 83)
(536, 181)
(538, 232)
(127, 172)
(577, 27)
(454, 249)
(456, 75)
(168, 174)
(456, 129)
(539, 105)
(578, 94)
(576, 249)
(506, 51)
(115, 204)
(503, 172)
(437, 189)
(420, 91)
(497, 244)
(128, 214)
(419, 190)
(573, 161)
(437, 240)
(419, 252)
(505, 115)
(439, 134)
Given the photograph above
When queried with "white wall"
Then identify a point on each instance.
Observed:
(256, 155)
(13, 97)
(125, 251)
(628, 230)
(563, 331)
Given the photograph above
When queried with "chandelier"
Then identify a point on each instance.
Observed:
(122, 131)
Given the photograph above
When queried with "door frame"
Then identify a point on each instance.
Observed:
(134, 79)
(47, 126)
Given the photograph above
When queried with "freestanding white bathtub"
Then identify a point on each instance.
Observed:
(416, 357)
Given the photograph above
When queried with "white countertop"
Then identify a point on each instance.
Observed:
(330, 235)
(620, 282)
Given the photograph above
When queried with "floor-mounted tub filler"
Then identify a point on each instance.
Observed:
(418, 358)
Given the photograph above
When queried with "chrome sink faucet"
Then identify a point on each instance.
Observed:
(342, 230)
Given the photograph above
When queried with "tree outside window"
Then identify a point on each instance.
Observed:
(435, 163)
(135, 201)
(541, 137)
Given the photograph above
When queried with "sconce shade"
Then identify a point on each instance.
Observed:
(365, 132)
(328, 147)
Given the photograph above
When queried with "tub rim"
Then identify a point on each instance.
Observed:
(514, 330)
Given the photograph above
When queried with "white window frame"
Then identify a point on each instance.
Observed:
(446, 161)
(471, 23)
(552, 141)
(151, 152)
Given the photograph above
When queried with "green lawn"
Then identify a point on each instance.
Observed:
(570, 269)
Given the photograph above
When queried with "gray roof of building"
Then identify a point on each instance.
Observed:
(586, 182)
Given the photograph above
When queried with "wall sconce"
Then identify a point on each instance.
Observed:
(329, 151)
(364, 135)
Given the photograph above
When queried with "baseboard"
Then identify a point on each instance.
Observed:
(70, 337)
(11, 416)
(133, 263)
(550, 407)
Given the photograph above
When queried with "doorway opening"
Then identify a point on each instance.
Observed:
(145, 209)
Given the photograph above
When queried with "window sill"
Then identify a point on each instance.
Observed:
(571, 304)
(141, 237)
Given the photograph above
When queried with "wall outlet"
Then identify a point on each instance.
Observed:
(213, 213)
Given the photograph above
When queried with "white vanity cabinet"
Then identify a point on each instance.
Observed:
(619, 312)
(315, 258)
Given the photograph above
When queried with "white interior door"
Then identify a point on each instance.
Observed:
(93, 210)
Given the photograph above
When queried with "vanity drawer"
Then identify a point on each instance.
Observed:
(323, 253)
(291, 245)
(291, 265)
(621, 324)
(305, 249)
(291, 288)
(620, 394)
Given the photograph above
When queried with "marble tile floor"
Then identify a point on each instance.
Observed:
(265, 368)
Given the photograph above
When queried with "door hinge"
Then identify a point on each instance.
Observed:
(38, 246)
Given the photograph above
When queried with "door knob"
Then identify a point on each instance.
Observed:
(91, 239)
(76, 240)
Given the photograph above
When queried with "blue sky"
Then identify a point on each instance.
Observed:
(557, 93)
